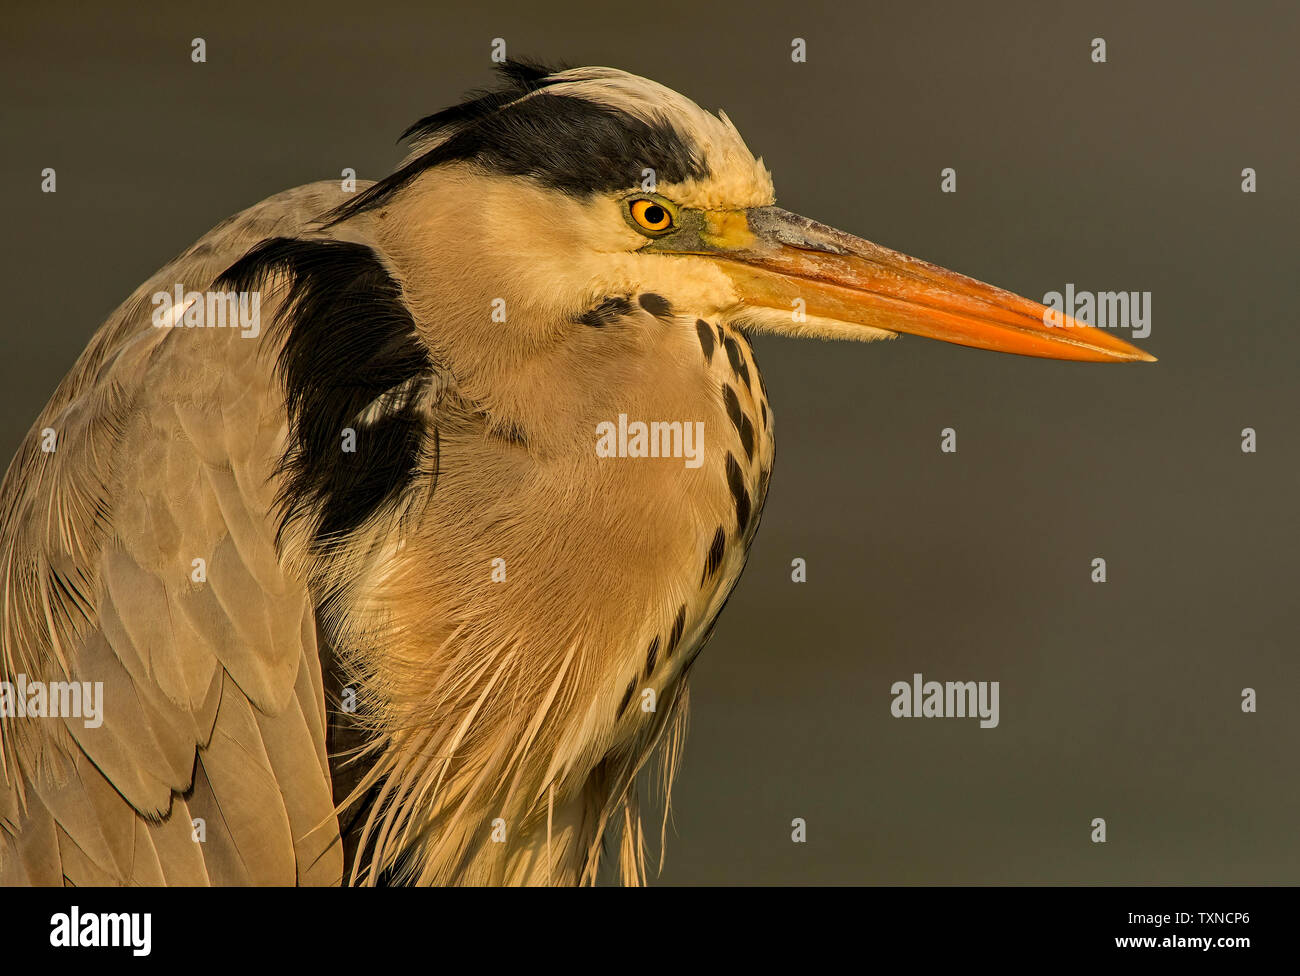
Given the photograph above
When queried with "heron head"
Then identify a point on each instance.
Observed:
(554, 203)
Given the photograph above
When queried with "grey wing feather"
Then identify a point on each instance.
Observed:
(209, 765)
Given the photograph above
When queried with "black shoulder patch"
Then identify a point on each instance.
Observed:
(564, 142)
(349, 344)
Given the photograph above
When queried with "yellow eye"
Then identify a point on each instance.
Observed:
(651, 216)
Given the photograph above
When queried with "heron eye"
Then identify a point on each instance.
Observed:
(651, 216)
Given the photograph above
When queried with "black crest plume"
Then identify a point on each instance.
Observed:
(563, 142)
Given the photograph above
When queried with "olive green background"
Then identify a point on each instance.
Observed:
(1120, 700)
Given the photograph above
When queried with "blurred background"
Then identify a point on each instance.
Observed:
(1119, 700)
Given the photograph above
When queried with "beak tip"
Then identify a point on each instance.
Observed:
(1142, 356)
(1117, 348)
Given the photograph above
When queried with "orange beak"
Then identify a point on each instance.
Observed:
(781, 261)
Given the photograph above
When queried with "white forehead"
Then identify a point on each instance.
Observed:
(737, 180)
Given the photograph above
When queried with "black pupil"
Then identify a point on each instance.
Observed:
(654, 214)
